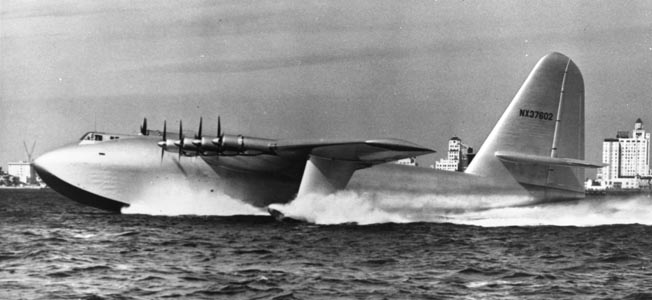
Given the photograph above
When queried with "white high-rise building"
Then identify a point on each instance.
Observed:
(457, 156)
(610, 156)
(22, 170)
(635, 152)
(628, 157)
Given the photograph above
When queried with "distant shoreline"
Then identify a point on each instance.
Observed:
(618, 192)
(26, 187)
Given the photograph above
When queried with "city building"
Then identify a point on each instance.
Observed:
(628, 159)
(22, 170)
(457, 158)
(410, 161)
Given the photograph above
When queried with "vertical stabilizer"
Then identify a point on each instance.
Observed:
(544, 122)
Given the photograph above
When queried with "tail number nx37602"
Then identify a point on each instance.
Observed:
(526, 113)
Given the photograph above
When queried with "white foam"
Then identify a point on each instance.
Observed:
(177, 200)
(482, 210)
(382, 207)
(379, 207)
(587, 212)
(342, 207)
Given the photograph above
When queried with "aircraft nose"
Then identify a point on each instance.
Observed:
(47, 165)
(67, 165)
(41, 163)
(75, 173)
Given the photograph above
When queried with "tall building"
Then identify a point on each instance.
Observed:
(457, 156)
(22, 170)
(628, 156)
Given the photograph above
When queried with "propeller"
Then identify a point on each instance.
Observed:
(180, 139)
(143, 128)
(220, 136)
(197, 142)
(165, 139)
(198, 135)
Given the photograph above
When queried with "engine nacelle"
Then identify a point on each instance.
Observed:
(245, 145)
(207, 145)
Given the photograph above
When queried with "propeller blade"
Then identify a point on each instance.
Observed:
(219, 127)
(218, 141)
(220, 134)
(180, 139)
(198, 135)
(165, 130)
(143, 128)
(165, 140)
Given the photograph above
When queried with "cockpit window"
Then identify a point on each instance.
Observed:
(87, 137)
(93, 137)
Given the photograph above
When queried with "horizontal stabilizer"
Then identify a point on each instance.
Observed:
(546, 160)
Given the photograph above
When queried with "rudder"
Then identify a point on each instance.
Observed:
(544, 121)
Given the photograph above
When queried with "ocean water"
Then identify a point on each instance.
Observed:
(53, 248)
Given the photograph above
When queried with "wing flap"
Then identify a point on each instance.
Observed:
(545, 160)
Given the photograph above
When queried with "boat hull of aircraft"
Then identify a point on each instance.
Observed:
(106, 176)
(101, 176)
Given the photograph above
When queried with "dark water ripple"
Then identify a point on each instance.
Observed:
(52, 248)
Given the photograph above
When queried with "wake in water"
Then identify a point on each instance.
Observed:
(377, 207)
(587, 212)
(175, 201)
(482, 210)
(380, 207)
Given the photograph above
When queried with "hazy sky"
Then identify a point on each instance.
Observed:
(423, 71)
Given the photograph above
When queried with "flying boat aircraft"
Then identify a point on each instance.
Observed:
(536, 150)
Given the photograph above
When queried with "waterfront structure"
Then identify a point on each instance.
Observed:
(628, 158)
(23, 170)
(409, 161)
(457, 158)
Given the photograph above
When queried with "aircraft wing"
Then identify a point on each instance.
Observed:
(365, 151)
(331, 163)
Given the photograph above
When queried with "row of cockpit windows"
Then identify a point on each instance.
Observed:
(92, 136)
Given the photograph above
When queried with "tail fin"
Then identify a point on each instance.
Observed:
(539, 140)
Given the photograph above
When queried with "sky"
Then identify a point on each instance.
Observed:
(423, 71)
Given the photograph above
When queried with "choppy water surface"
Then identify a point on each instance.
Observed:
(52, 248)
